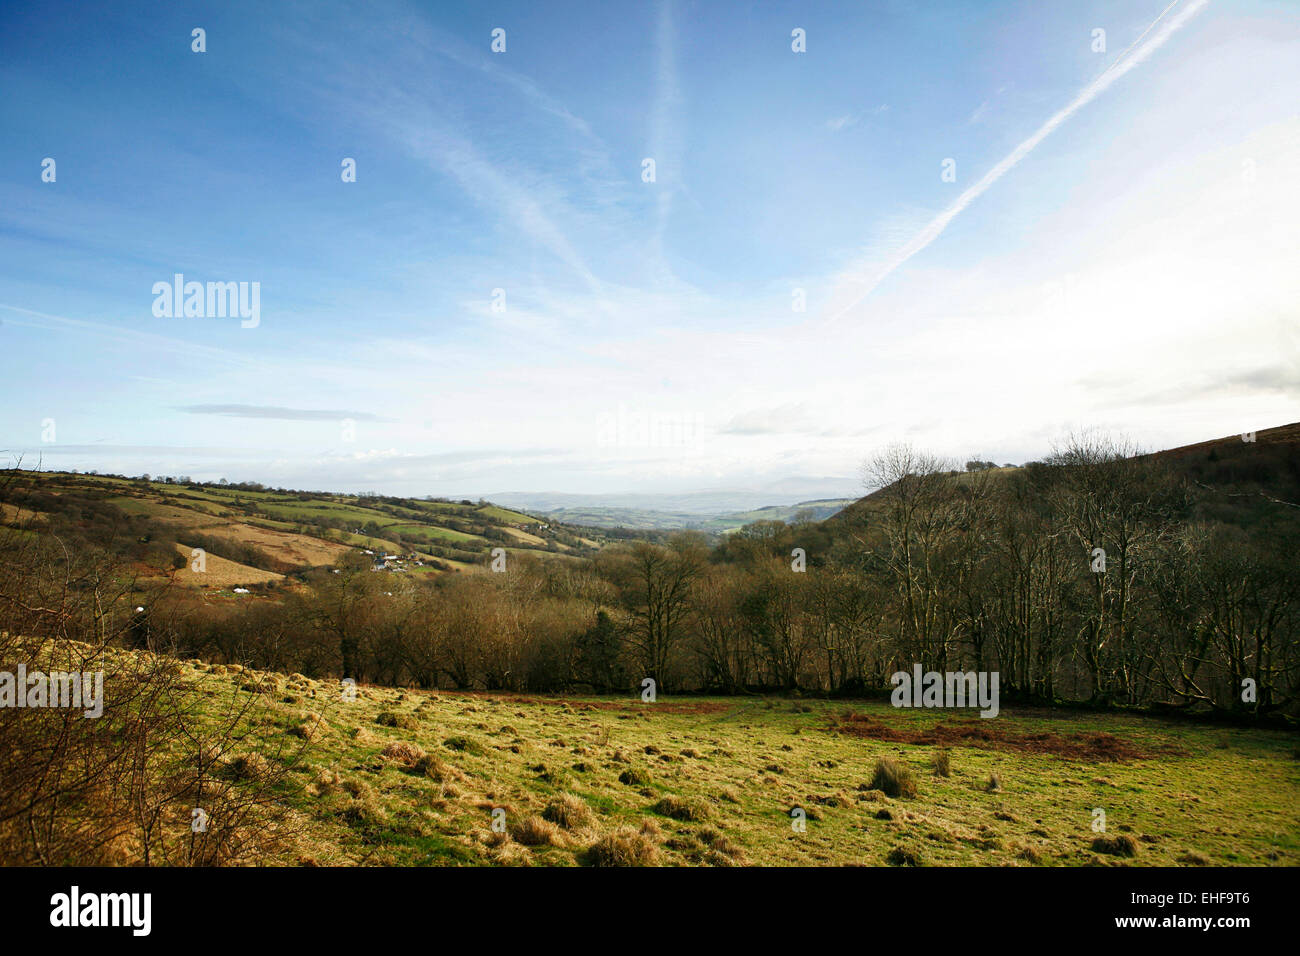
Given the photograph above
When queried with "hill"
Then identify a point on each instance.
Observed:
(1237, 477)
(251, 535)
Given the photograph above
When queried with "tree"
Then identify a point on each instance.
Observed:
(919, 520)
(655, 582)
(344, 600)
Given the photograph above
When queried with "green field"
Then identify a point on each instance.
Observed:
(409, 777)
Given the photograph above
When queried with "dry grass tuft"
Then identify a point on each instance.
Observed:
(943, 763)
(432, 767)
(635, 777)
(624, 847)
(902, 856)
(1122, 845)
(534, 831)
(401, 752)
(569, 812)
(893, 779)
(1029, 855)
(387, 718)
(248, 767)
(691, 811)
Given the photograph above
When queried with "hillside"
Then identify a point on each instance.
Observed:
(252, 535)
(1237, 479)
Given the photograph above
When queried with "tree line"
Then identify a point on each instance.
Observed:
(1098, 575)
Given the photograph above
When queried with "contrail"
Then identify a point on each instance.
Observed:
(868, 279)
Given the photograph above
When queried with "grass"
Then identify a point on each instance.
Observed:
(413, 777)
(219, 573)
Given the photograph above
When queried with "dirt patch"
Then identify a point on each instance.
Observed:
(662, 706)
(584, 704)
(1089, 746)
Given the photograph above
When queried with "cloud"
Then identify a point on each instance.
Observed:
(665, 136)
(1269, 379)
(864, 279)
(143, 451)
(838, 124)
(281, 413)
(123, 333)
(770, 421)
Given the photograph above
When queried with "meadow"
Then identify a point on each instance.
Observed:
(406, 777)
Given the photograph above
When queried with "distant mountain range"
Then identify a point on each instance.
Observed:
(701, 512)
(709, 503)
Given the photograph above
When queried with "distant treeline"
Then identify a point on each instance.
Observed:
(1094, 576)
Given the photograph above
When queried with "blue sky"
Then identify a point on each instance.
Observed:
(1131, 268)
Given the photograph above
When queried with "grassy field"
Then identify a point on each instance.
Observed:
(409, 777)
(218, 572)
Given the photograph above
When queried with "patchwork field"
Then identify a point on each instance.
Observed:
(295, 531)
(409, 777)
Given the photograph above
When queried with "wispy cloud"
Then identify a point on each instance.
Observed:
(281, 413)
(768, 421)
(664, 132)
(837, 124)
(163, 343)
(863, 280)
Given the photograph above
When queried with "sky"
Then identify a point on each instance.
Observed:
(972, 227)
